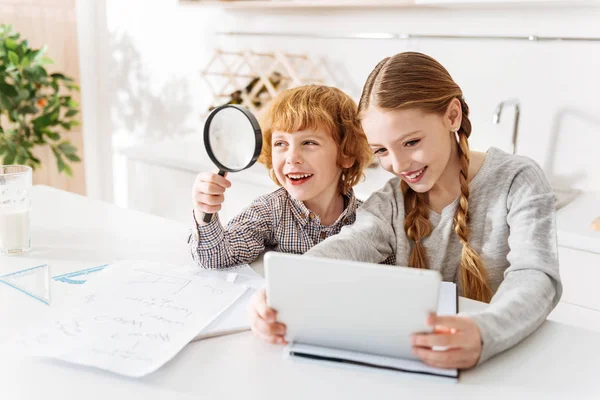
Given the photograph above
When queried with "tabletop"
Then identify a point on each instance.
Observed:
(71, 232)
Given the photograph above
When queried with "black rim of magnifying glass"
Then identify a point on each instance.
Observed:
(257, 136)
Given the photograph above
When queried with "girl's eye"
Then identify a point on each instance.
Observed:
(278, 144)
(379, 151)
(310, 142)
(412, 143)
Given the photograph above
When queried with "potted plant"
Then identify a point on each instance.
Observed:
(36, 108)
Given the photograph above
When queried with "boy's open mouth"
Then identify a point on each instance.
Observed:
(298, 179)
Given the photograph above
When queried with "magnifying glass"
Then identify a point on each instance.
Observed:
(233, 140)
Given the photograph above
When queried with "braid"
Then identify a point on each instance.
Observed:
(473, 276)
(416, 81)
(416, 224)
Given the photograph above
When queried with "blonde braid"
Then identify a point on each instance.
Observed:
(416, 225)
(473, 275)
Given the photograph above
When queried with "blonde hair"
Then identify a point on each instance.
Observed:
(415, 80)
(319, 107)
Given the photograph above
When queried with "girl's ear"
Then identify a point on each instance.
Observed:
(453, 115)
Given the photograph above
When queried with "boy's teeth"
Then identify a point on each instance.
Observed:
(300, 176)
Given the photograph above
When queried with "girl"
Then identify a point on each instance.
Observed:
(483, 220)
(315, 149)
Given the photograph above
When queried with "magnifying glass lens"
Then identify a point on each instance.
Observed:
(233, 140)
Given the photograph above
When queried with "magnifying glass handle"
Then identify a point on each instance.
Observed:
(208, 216)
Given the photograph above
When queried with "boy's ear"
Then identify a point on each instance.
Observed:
(347, 162)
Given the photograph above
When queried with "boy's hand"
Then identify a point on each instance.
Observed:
(263, 320)
(208, 194)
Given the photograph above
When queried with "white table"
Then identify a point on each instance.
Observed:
(71, 232)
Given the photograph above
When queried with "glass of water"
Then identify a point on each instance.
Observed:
(15, 209)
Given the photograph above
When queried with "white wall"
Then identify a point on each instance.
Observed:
(159, 47)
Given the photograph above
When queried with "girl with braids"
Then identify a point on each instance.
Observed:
(483, 220)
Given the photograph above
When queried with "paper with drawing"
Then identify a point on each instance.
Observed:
(132, 318)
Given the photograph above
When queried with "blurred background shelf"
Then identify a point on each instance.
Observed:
(375, 4)
(265, 4)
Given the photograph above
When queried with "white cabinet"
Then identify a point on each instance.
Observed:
(580, 274)
(579, 251)
(160, 177)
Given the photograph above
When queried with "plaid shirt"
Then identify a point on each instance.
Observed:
(274, 221)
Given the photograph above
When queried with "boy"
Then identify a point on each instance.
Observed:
(315, 149)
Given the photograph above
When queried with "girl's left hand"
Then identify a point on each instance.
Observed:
(459, 335)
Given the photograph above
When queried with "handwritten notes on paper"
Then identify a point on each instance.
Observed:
(132, 318)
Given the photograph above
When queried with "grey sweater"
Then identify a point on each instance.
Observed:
(512, 226)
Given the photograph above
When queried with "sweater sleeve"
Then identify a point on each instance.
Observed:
(531, 287)
(213, 246)
(371, 238)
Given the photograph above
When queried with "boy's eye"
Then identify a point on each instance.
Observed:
(278, 144)
(311, 142)
(379, 151)
(412, 143)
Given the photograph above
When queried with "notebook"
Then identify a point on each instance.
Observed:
(356, 314)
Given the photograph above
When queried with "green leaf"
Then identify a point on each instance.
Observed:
(73, 157)
(10, 44)
(57, 75)
(72, 104)
(71, 113)
(22, 158)
(28, 110)
(25, 61)
(36, 55)
(67, 148)
(8, 90)
(13, 115)
(23, 94)
(43, 120)
(35, 74)
(68, 170)
(66, 125)
(9, 158)
(13, 57)
(62, 166)
(53, 135)
(54, 116)
(35, 160)
(45, 61)
(5, 102)
(60, 162)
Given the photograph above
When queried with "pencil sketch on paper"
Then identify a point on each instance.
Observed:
(132, 318)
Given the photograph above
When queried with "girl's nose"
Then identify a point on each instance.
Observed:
(400, 165)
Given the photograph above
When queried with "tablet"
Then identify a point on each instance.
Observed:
(350, 305)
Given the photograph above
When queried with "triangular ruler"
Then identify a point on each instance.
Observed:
(34, 282)
(82, 276)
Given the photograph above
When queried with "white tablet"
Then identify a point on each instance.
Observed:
(349, 305)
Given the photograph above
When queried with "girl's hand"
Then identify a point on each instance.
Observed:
(460, 335)
(263, 320)
(207, 194)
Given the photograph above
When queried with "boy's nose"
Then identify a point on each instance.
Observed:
(293, 158)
